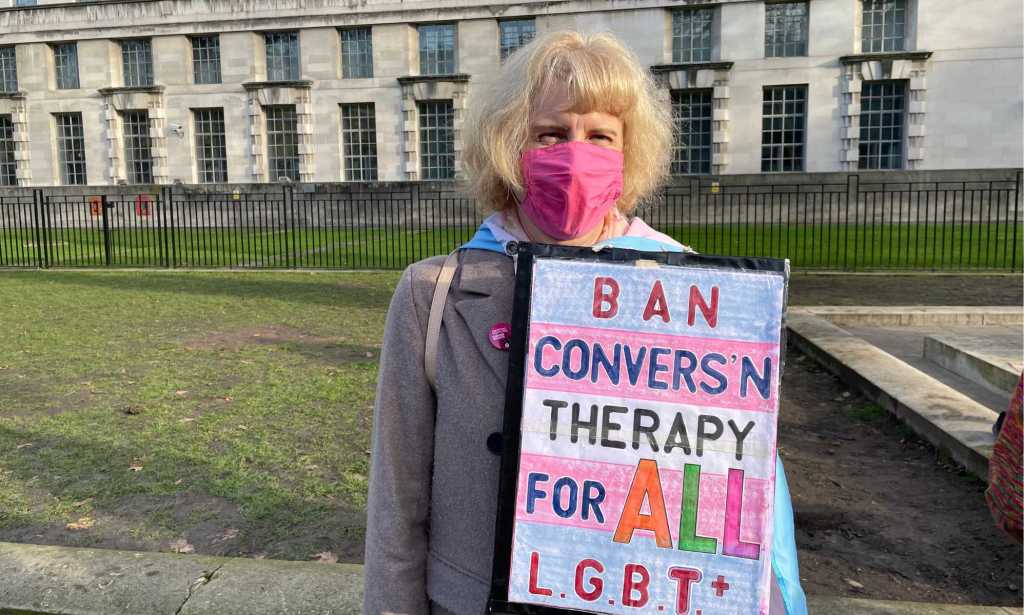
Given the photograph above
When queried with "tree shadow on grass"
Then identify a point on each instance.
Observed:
(293, 287)
(150, 510)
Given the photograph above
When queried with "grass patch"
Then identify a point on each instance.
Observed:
(954, 246)
(868, 413)
(231, 410)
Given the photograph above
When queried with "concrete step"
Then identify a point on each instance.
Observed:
(945, 417)
(991, 356)
(915, 315)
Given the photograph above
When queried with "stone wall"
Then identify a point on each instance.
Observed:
(964, 92)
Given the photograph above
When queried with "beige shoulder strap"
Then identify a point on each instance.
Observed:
(444, 282)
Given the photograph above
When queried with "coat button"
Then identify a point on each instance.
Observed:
(494, 443)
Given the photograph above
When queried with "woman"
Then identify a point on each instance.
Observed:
(570, 139)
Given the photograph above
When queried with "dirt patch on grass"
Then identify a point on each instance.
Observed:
(199, 523)
(876, 506)
(28, 394)
(331, 350)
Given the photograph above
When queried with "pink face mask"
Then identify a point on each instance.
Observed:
(570, 187)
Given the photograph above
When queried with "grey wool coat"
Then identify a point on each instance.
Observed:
(434, 467)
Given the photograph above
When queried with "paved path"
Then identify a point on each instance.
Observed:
(44, 579)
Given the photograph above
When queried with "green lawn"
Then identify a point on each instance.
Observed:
(833, 247)
(230, 411)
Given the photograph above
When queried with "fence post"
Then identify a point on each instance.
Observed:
(106, 230)
(1016, 223)
(289, 217)
(172, 257)
(37, 219)
(852, 202)
(167, 193)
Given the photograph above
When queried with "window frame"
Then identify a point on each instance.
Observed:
(206, 60)
(71, 170)
(8, 68)
(278, 140)
(210, 169)
(772, 47)
(870, 43)
(60, 69)
(866, 159)
(687, 55)
(781, 163)
(357, 62)
(683, 164)
(355, 146)
(505, 50)
(8, 151)
(446, 58)
(439, 151)
(138, 146)
(137, 63)
(293, 57)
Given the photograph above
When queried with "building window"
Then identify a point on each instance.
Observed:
(137, 58)
(784, 115)
(785, 29)
(691, 35)
(357, 53)
(514, 34)
(70, 148)
(691, 117)
(437, 139)
(282, 56)
(8, 163)
(282, 142)
(24, 2)
(206, 59)
(138, 158)
(884, 25)
(65, 65)
(437, 49)
(359, 141)
(882, 107)
(211, 150)
(8, 70)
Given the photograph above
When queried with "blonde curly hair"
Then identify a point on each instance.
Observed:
(602, 75)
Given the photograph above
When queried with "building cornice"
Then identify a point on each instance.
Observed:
(135, 89)
(18, 95)
(453, 78)
(667, 68)
(882, 57)
(103, 19)
(304, 84)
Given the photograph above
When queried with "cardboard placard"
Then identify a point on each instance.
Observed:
(638, 470)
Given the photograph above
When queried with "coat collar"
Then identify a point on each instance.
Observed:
(484, 272)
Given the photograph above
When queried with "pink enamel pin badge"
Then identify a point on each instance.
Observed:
(500, 336)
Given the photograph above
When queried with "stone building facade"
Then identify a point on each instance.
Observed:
(215, 91)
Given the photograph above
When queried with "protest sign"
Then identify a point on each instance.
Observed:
(638, 472)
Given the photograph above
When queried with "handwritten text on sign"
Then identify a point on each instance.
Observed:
(647, 469)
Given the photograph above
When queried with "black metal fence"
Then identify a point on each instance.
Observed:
(843, 225)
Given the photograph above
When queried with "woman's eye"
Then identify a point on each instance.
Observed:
(602, 137)
(549, 138)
